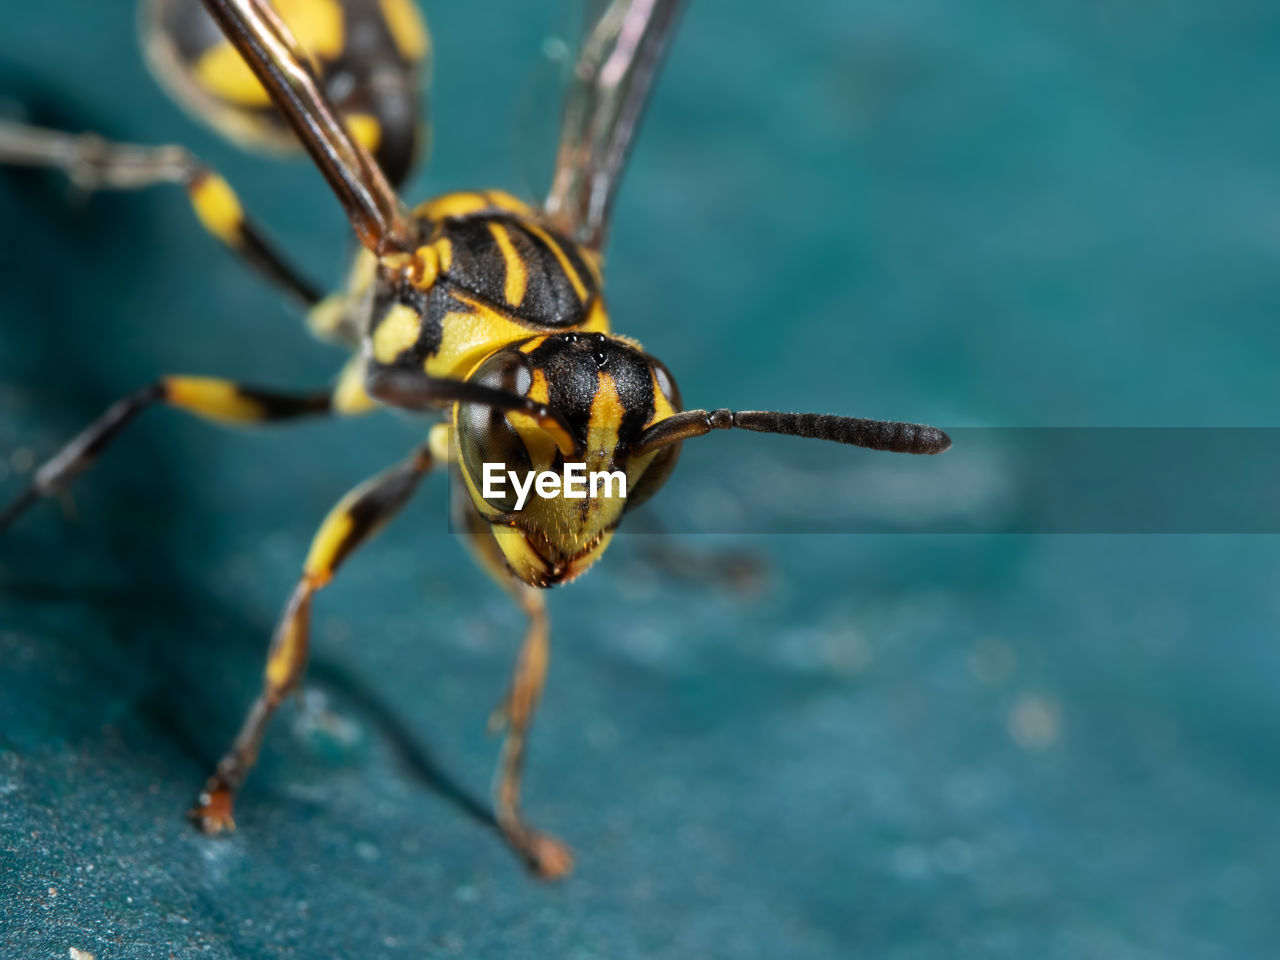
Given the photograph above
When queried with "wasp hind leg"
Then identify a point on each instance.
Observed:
(93, 163)
(360, 515)
(545, 855)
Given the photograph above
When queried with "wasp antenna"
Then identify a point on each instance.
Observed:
(889, 435)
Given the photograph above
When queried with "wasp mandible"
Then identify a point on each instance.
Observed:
(475, 304)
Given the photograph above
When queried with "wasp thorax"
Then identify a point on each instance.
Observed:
(553, 511)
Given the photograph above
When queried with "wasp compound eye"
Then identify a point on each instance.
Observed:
(485, 435)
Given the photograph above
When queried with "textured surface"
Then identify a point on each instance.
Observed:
(1001, 214)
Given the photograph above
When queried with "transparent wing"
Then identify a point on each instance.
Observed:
(622, 50)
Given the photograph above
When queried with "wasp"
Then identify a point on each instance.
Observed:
(484, 309)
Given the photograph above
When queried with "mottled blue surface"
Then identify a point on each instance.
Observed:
(999, 213)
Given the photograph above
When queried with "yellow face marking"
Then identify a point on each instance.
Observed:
(397, 332)
(460, 204)
(365, 128)
(217, 207)
(578, 287)
(517, 274)
(662, 407)
(606, 416)
(540, 439)
(407, 28)
(211, 398)
(524, 561)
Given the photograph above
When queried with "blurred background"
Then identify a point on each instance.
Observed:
(1063, 214)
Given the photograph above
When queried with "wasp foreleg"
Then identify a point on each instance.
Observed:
(357, 517)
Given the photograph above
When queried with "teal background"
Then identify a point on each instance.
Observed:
(990, 214)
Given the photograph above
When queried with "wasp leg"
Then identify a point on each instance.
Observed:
(357, 517)
(93, 163)
(206, 397)
(547, 856)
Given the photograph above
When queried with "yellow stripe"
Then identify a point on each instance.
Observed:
(316, 24)
(211, 398)
(223, 73)
(517, 276)
(531, 345)
(407, 28)
(505, 201)
(318, 27)
(365, 128)
(444, 253)
(452, 205)
(578, 287)
(330, 539)
(605, 418)
(597, 319)
(286, 652)
(469, 336)
(397, 332)
(217, 207)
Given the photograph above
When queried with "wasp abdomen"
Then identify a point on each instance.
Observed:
(371, 56)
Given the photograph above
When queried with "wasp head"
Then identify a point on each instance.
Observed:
(606, 392)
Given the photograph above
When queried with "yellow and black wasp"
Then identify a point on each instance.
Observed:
(476, 304)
